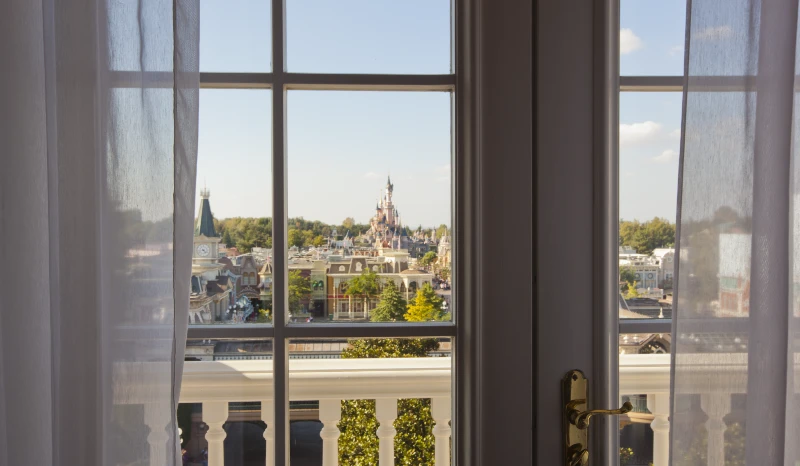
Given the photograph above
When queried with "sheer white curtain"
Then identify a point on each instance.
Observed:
(736, 364)
(98, 131)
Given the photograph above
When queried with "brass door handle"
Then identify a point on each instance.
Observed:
(575, 418)
(580, 419)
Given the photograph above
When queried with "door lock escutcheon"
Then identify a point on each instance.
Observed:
(575, 418)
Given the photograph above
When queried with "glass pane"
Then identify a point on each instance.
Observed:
(235, 36)
(652, 37)
(644, 381)
(368, 36)
(346, 395)
(369, 183)
(225, 422)
(649, 135)
(231, 262)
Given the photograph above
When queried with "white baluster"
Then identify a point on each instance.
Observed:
(658, 405)
(386, 413)
(440, 411)
(330, 412)
(268, 416)
(716, 406)
(215, 413)
(157, 416)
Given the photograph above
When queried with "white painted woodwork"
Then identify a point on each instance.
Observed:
(386, 413)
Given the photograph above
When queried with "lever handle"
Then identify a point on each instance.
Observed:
(580, 419)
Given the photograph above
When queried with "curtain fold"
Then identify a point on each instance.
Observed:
(98, 141)
(736, 339)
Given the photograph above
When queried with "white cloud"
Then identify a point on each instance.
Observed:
(676, 51)
(370, 175)
(714, 33)
(638, 133)
(629, 42)
(675, 134)
(667, 156)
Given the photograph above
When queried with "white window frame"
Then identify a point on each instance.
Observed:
(658, 84)
(281, 331)
(492, 121)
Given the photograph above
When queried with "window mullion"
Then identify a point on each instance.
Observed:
(279, 242)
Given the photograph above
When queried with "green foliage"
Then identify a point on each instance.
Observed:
(414, 443)
(632, 291)
(318, 241)
(647, 236)
(227, 239)
(428, 259)
(625, 455)
(426, 306)
(392, 306)
(264, 316)
(627, 274)
(697, 451)
(348, 223)
(299, 290)
(245, 233)
(444, 273)
(366, 285)
(295, 238)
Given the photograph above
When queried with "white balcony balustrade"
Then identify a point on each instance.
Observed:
(216, 383)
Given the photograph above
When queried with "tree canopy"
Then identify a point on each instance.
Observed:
(299, 290)
(367, 284)
(647, 236)
(392, 307)
(428, 259)
(426, 306)
(414, 443)
(627, 274)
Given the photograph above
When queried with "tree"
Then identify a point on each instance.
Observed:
(632, 291)
(308, 238)
(226, 238)
(444, 273)
(392, 306)
(428, 259)
(426, 306)
(318, 241)
(365, 285)
(414, 441)
(647, 236)
(295, 238)
(348, 223)
(299, 290)
(627, 275)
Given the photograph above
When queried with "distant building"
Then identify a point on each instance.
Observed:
(644, 267)
(386, 230)
(390, 266)
(665, 259)
(211, 288)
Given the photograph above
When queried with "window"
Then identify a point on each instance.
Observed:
(325, 162)
(650, 100)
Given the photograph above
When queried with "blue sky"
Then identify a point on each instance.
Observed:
(342, 145)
